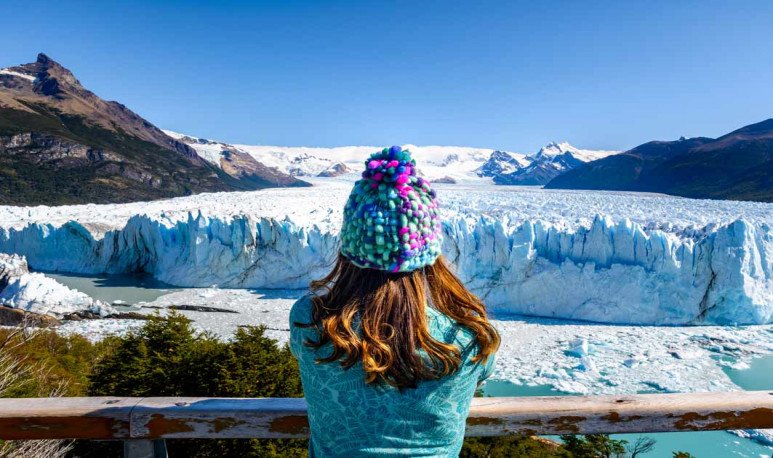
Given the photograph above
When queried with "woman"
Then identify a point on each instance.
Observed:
(391, 345)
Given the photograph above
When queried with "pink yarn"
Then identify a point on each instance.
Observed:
(404, 230)
(378, 176)
(374, 164)
(393, 164)
(402, 179)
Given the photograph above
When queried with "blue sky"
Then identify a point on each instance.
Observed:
(503, 74)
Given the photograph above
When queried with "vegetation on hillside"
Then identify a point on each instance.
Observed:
(145, 171)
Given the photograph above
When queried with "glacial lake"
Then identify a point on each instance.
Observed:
(128, 289)
(132, 289)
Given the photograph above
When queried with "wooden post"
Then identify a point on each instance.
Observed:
(144, 448)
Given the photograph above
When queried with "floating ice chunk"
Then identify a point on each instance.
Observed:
(587, 365)
(763, 436)
(578, 347)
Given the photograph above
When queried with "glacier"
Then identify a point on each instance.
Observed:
(37, 293)
(592, 256)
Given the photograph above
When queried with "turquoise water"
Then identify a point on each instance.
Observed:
(497, 388)
(129, 289)
(758, 377)
(708, 444)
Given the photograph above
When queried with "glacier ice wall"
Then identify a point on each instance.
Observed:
(617, 273)
(610, 271)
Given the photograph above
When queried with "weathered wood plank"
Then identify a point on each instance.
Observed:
(621, 414)
(220, 417)
(66, 418)
(160, 418)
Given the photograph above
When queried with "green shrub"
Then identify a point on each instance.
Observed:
(167, 358)
(594, 446)
(512, 447)
(46, 362)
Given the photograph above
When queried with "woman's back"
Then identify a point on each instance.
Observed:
(349, 417)
(391, 345)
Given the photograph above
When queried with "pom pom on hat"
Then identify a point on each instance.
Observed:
(391, 218)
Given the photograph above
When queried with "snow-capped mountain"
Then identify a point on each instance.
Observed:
(235, 162)
(445, 163)
(538, 169)
(441, 164)
(502, 163)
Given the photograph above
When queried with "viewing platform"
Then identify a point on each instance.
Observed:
(144, 423)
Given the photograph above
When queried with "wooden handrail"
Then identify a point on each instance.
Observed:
(219, 418)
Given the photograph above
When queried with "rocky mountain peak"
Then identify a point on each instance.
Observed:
(52, 78)
(555, 149)
(500, 162)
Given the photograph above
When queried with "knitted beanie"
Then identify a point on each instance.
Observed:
(391, 218)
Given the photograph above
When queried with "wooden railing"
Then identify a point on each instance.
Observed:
(143, 423)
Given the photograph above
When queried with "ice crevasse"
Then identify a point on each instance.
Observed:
(608, 271)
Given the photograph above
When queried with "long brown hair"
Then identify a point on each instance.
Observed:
(389, 309)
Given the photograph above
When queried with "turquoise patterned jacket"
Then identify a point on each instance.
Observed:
(349, 418)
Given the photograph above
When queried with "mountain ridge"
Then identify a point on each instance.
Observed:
(735, 166)
(62, 144)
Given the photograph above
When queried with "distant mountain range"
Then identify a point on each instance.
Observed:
(441, 164)
(451, 163)
(736, 166)
(538, 169)
(62, 144)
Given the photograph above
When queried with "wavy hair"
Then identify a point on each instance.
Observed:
(379, 318)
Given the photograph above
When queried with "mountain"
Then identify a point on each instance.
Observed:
(449, 164)
(236, 162)
(736, 166)
(501, 163)
(62, 144)
(537, 169)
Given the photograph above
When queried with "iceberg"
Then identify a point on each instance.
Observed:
(36, 293)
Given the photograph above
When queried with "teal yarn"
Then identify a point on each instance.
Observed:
(391, 218)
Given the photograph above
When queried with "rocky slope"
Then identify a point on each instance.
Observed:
(60, 143)
(737, 166)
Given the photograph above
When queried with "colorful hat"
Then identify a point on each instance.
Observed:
(391, 218)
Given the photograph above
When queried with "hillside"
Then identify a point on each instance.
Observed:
(735, 166)
(62, 144)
